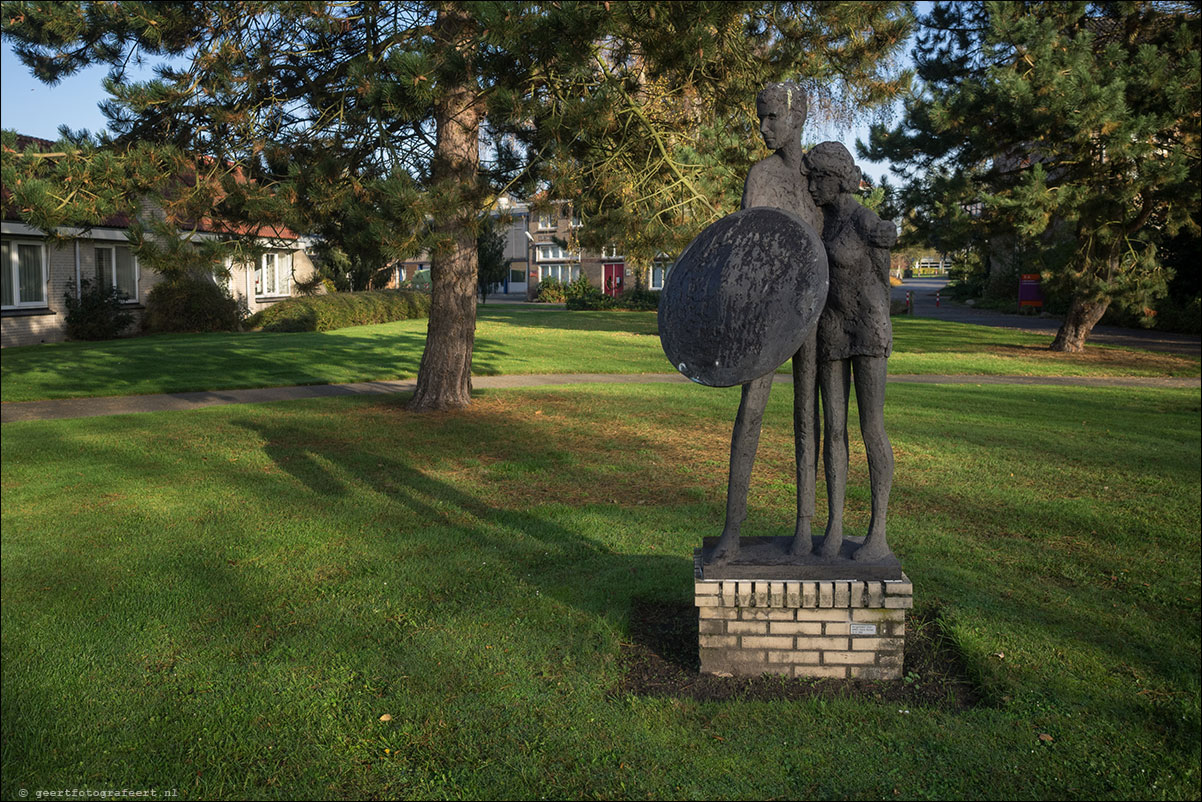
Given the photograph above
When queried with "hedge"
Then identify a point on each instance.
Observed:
(635, 300)
(191, 303)
(341, 309)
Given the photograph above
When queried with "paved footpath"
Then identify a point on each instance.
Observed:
(165, 402)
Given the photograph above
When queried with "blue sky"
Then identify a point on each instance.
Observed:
(33, 108)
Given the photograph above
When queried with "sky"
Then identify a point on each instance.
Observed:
(31, 107)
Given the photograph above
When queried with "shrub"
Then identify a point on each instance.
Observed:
(639, 300)
(592, 302)
(191, 302)
(99, 313)
(341, 309)
(580, 288)
(551, 291)
(636, 300)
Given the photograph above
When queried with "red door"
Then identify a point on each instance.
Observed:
(614, 275)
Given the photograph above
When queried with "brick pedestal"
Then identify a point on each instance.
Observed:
(823, 628)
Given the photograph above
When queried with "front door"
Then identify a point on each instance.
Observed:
(614, 275)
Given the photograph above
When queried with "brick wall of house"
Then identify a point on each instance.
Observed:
(47, 325)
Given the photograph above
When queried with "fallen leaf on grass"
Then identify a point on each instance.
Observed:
(386, 717)
(1047, 739)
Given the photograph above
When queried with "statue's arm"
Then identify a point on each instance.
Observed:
(876, 232)
(753, 187)
(880, 235)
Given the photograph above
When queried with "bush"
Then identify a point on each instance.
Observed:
(636, 300)
(551, 291)
(341, 309)
(580, 288)
(191, 302)
(99, 313)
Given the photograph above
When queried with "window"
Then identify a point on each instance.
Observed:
(610, 252)
(552, 253)
(564, 273)
(273, 276)
(24, 273)
(576, 221)
(659, 274)
(545, 221)
(117, 267)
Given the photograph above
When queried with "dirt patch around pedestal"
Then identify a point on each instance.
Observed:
(661, 660)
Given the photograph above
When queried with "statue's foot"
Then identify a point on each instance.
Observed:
(726, 549)
(803, 541)
(831, 544)
(874, 549)
(800, 547)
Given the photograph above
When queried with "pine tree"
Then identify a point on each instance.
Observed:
(655, 140)
(328, 111)
(1066, 134)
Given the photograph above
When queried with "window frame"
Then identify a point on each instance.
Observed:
(664, 268)
(552, 252)
(563, 272)
(112, 247)
(260, 275)
(14, 267)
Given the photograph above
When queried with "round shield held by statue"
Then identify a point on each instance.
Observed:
(743, 297)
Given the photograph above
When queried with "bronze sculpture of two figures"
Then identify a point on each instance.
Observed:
(801, 271)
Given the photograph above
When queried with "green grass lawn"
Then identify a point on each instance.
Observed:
(509, 340)
(226, 601)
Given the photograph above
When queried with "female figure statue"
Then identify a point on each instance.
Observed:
(855, 339)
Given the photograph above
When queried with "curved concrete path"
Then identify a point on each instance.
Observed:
(165, 402)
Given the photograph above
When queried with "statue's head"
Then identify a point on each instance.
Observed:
(832, 171)
(782, 111)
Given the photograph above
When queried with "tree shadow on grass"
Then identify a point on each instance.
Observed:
(188, 363)
(432, 516)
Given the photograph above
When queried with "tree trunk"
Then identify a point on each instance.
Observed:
(1082, 317)
(444, 379)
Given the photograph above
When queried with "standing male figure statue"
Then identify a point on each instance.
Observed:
(779, 181)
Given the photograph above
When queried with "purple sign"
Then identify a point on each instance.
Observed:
(1029, 292)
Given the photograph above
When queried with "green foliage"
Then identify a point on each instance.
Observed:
(654, 137)
(342, 309)
(580, 287)
(99, 313)
(359, 230)
(490, 257)
(551, 291)
(191, 302)
(1065, 133)
(636, 299)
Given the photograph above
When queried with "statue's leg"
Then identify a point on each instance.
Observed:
(743, 443)
(870, 374)
(834, 380)
(805, 438)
